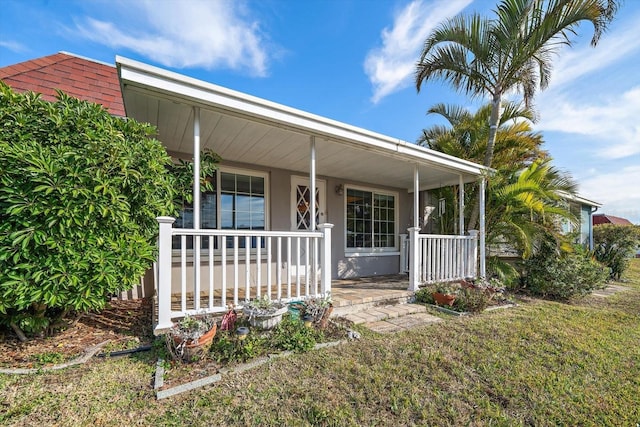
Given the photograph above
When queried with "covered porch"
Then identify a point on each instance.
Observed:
(345, 293)
(301, 242)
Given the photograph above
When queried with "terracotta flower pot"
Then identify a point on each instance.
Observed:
(193, 349)
(443, 299)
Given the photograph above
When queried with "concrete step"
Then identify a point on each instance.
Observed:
(384, 312)
(344, 306)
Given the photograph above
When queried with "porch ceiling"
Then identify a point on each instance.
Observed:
(241, 128)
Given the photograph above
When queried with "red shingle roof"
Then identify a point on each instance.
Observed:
(610, 219)
(78, 77)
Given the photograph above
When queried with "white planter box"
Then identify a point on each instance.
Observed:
(258, 319)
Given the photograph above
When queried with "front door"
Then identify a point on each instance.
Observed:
(301, 203)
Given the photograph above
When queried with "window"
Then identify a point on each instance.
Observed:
(242, 202)
(237, 202)
(371, 220)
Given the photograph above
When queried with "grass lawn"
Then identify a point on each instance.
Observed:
(542, 363)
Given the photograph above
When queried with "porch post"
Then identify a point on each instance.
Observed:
(196, 205)
(416, 196)
(196, 168)
(404, 241)
(325, 258)
(164, 274)
(460, 206)
(483, 271)
(472, 256)
(312, 184)
(414, 255)
(414, 264)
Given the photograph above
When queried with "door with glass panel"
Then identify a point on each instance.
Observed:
(301, 203)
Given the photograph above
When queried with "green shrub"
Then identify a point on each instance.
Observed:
(423, 295)
(227, 348)
(557, 275)
(292, 335)
(471, 300)
(79, 194)
(615, 245)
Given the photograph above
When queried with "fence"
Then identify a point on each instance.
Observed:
(202, 271)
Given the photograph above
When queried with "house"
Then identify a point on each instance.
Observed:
(584, 210)
(599, 219)
(79, 77)
(299, 199)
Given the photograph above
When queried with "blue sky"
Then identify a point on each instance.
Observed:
(353, 61)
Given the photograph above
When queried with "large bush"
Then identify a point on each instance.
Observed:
(614, 245)
(79, 193)
(554, 274)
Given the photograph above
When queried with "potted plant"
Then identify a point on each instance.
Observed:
(319, 309)
(189, 338)
(264, 313)
(444, 294)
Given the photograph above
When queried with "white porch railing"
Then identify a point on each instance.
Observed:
(440, 258)
(236, 266)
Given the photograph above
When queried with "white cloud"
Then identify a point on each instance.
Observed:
(594, 94)
(13, 46)
(618, 192)
(190, 33)
(575, 62)
(611, 124)
(391, 66)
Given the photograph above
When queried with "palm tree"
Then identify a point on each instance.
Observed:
(527, 206)
(512, 52)
(516, 144)
(526, 192)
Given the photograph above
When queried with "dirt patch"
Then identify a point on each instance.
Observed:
(125, 324)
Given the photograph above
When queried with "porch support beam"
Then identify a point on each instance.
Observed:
(312, 184)
(460, 206)
(414, 259)
(483, 271)
(325, 259)
(196, 205)
(416, 196)
(196, 168)
(414, 252)
(163, 274)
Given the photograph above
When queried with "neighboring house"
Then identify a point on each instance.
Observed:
(584, 210)
(581, 207)
(260, 230)
(599, 219)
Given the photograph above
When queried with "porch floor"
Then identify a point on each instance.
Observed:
(345, 293)
(364, 290)
(380, 303)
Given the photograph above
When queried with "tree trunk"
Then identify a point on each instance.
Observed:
(494, 123)
(18, 331)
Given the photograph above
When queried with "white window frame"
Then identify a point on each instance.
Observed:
(249, 172)
(363, 252)
(218, 191)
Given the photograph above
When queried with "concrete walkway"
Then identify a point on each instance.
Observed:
(393, 318)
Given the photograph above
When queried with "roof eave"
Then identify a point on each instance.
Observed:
(198, 92)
